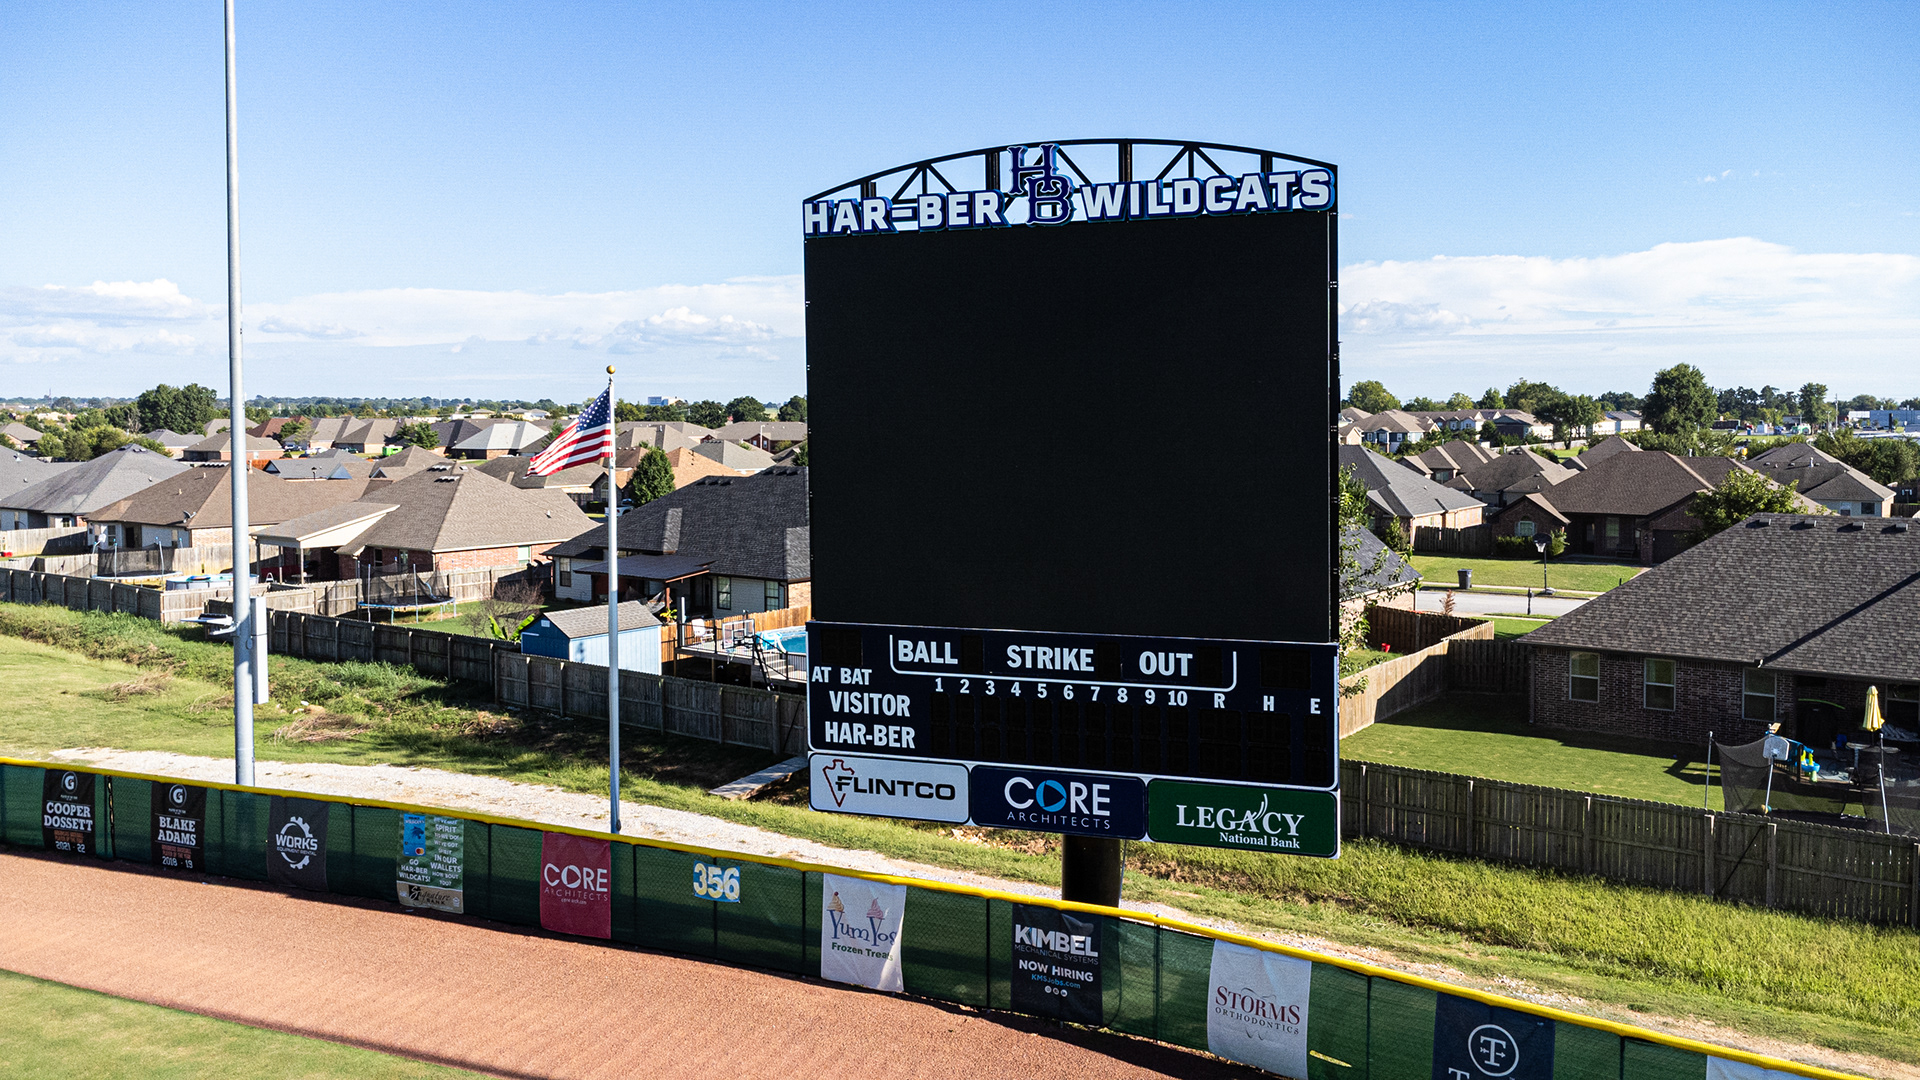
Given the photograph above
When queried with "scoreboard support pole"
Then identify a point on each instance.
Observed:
(1090, 870)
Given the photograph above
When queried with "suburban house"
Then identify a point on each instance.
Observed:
(639, 435)
(324, 432)
(739, 457)
(687, 466)
(366, 437)
(1632, 506)
(332, 465)
(580, 635)
(271, 427)
(1615, 421)
(1528, 514)
(194, 507)
(1514, 424)
(499, 440)
(1398, 493)
(74, 494)
(768, 435)
(1447, 461)
(1601, 451)
(22, 435)
(220, 448)
(406, 462)
(1506, 477)
(19, 471)
(1455, 419)
(1825, 479)
(175, 442)
(1391, 429)
(1384, 579)
(443, 518)
(1786, 618)
(722, 546)
(579, 483)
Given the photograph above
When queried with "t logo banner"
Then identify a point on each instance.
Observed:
(1472, 1041)
(1049, 195)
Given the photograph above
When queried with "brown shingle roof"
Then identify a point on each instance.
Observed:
(205, 494)
(1638, 485)
(457, 509)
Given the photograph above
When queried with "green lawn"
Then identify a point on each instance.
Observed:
(1508, 627)
(1440, 570)
(47, 1029)
(1619, 948)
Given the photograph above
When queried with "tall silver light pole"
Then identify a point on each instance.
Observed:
(237, 465)
(613, 621)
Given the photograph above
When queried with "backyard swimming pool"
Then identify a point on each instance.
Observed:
(790, 640)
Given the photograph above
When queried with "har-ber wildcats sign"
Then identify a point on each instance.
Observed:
(1045, 646)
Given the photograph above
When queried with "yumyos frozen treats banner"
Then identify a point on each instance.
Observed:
(860, 927)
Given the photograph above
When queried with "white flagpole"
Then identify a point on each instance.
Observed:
(238, 468)
(613, 623)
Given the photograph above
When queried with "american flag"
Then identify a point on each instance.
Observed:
(586, 440)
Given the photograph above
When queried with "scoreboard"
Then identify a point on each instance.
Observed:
(1076, 733)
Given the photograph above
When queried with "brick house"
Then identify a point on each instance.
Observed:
(769, 435)
(195, 507)
(220, 448)
(448, 517)
(1635, 506)
(1396, 492)
(64, 495)
(1786, 618)
(1825, 479)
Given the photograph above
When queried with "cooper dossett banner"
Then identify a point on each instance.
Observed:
(576, 885)
(297, 843)
(1056, 965)
(66, 812)
(431, 869)
(860, 927)
(179, 826)
(1257, 1008)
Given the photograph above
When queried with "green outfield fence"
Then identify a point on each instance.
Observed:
(1326, 1017)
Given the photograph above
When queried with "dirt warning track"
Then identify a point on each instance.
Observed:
(505, 1000)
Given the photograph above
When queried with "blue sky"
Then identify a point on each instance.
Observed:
(495, 199)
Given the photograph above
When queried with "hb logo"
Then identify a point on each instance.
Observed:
(1049, 194)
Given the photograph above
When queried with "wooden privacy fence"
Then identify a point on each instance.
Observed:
(430, 652)
(1472, 540)
(730, 715)
(66, 541)
(1485, 666)
(1399, 684)
(1411, 631)
(100, 594)
(1797, 866)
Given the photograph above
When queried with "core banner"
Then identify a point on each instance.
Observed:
(1056, 965)
(1257, 1008)
(860, 927)
(179, 832)
(576, 885)
(297, 843)
(431, 869)
(66, 812)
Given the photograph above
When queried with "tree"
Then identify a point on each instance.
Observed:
(125, 416)
(1460, 401)
(1528, 396)
(85, 444)
(1569, 414)
(1623, 400)
(652, 478)
(1680, 400)
(295, 431)
(1813, 404)
(800, 455)
(1888, 461)
(747, 409)
(708, 414)
(1743, 494)
(185, 410)
(1369, 396)
(419, 433)
(666, 414)
(794, 410)
(626, 412)
(1420, 404)
(1492, 399)
(1911, 403)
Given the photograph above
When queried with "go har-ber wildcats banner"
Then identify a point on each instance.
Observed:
(430, 871)
(1257, 1008)
(297, 843)
(66, 812)
(576, 885)
(860, 926)
(179, 831)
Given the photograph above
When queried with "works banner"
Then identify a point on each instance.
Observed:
(66, 812)
(576, 885)
(431, 869)
(1476, 1041)
(297, 843)
(179, 831)
(1257, 1008)
(860, 925)
(1056, 965)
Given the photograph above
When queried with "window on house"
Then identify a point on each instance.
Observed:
(1866, 509)
(723, 593)
(1583, 676)
(525, 554)
(1757, 701)
(1657, 684)
(1903, 705)
(563, 573)
(1523, 527)
(1613, 530)
(774, 600)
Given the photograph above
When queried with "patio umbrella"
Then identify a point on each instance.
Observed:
(1874, 722)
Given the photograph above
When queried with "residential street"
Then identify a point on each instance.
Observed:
(1477, 602)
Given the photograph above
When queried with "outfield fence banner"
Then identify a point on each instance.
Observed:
(1289, 1011)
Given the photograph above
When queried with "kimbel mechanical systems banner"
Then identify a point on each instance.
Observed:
(576, 885)
(860, 926)
(1257, 1008)
(179, 826)
(1056, 965)
(431, 869)
(66, 820)
(297, 843)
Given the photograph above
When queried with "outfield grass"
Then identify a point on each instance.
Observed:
(1525, 573)
(1619, 948)
(48, 1029)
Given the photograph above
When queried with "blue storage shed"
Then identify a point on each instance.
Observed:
(580, 634)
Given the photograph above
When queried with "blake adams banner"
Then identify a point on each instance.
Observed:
(860, 927)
